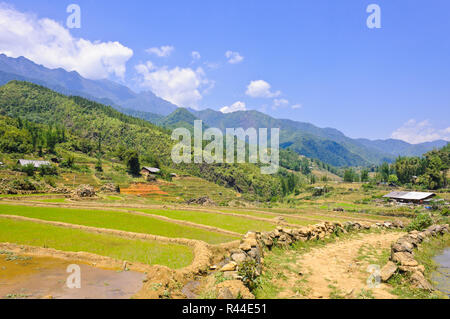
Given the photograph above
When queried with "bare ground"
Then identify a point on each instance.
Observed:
(337, 270)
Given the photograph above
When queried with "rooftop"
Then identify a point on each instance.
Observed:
(152, 169)
(409, 195)
(36, 164)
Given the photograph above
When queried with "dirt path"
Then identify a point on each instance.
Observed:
(337, 270)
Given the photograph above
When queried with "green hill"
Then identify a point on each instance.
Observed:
(100, 130)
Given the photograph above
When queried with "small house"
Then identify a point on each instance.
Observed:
(150, 171)
(36, 164)
(409, 197)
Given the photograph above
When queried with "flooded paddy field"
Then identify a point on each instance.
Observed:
(23, 277)
(441, 277)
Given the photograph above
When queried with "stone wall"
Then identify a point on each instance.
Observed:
(402, 256)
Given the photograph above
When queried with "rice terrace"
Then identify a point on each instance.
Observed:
(109, 188)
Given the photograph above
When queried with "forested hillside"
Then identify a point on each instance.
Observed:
(34, 114)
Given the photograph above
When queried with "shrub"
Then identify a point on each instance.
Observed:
(248, 270)
(98, 166)
(421, 222)
(445, 211)
(48, 170)
(68, 163)
(24, 185)
(28, 169)
(132, 162)
(50, 181)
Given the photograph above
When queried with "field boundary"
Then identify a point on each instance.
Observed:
(201, 250)
(137, 213)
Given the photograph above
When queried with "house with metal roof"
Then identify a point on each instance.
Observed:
(409, 197)
(36, 164)
(150, 170)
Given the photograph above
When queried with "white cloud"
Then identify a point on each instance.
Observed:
(237, 106)
(212, 65)
(234, 57)
(415, 132)
(47, 42)
(196, 55)
(280, 102)
(181, 86)
(162, 52)
(277, 103)
(261, 89)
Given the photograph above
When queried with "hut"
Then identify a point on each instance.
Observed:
(36, 164)
(409, 197)
(150, 171)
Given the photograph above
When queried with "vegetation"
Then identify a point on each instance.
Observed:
(232, 223)
(30, 113)
(421, 222)
(116, 220)
(429, 172)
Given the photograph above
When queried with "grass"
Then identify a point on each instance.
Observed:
(23, 195)
(116, 220)
(52, 200)
(278, 264)
(75, 240)
(194, 187)
(373, 256)
(232, 223)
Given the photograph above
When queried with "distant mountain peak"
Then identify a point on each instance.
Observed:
(72, 83)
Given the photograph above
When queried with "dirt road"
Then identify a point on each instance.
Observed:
(337, 270)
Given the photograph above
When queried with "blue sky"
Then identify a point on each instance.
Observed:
(321, 61)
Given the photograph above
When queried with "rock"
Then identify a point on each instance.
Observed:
(204, 201)
(245, 246)
(239, 257)
(231, 275)
(420, 268)
(350, 292)
(267, 240)
(110, 188)
(280, 219)
(85, 191)
(213, 267)
(398, 224)
(255, 253)
(248, 243)
(231, 266)
(419, 281)
(402, 247)
(387, 271)
(224, 293)
(236, 288)
(404, 259)
(317, 295)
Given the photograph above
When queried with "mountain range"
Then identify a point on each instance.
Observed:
(326, 144)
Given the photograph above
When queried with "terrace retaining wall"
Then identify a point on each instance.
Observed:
(402, 256)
